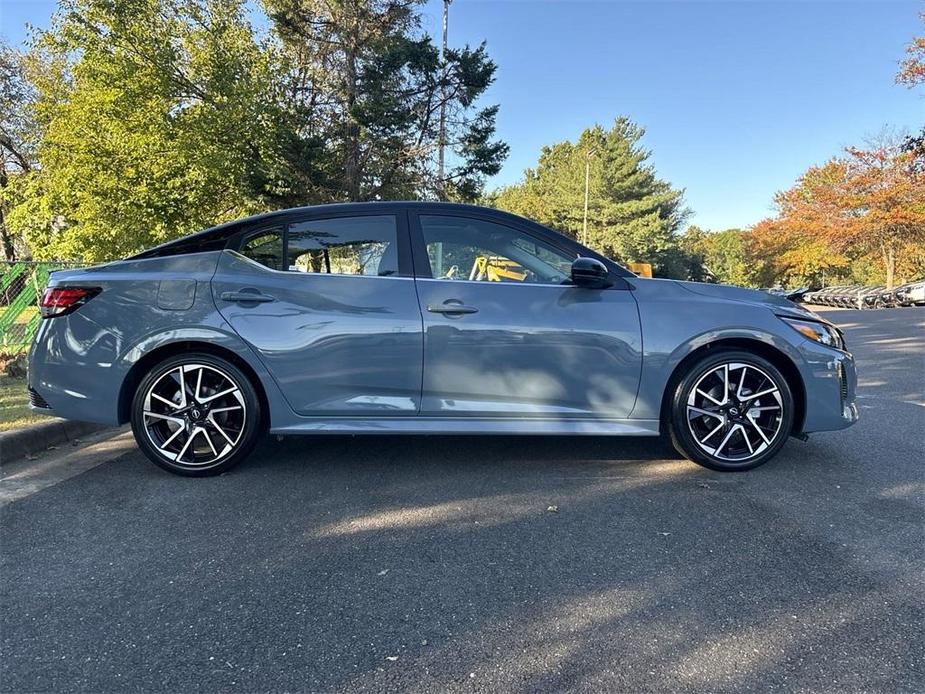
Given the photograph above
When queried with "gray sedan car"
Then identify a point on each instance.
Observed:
(424, 318)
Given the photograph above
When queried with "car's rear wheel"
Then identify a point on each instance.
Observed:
(731, 410)
(196, 415)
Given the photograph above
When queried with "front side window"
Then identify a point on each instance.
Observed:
(462, 248)
(365, 245)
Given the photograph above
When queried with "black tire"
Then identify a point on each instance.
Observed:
(224, 424)
(765, 430)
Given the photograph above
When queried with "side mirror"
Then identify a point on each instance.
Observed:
(589, 273)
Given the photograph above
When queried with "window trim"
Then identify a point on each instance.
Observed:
(405, 268)
(423, 270)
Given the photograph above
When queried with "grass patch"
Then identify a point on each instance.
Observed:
(28, 313)
(14, 404)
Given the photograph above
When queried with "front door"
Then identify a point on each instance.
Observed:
(329, 305)
(507, 335)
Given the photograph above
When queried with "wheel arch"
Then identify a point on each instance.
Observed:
(141, 367)
(774, 355)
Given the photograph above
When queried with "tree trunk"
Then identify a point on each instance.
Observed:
(6, 241)
(889, 261)
(352, 131)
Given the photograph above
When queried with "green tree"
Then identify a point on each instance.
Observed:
(728, 257)
(691, 256)
(156, 122)
(718, 256)
(633, 216)
(364, 80)
(18, 136)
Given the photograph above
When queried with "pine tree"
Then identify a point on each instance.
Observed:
(633, 216)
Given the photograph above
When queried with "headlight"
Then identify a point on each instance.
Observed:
(818, 332)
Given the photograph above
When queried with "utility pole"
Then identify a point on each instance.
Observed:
(441, 137)
(584, 230)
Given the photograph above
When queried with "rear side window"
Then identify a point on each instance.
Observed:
(366, 245)
(266, 248)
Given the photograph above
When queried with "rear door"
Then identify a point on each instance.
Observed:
(506, 335)
(329, 305)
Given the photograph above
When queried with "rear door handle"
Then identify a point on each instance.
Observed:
(453, 309)
(252, 296)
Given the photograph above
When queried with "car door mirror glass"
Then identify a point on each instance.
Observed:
(589, 273)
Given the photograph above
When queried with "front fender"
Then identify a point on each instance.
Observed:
(660, 367)
(696, 342)
(677, 322)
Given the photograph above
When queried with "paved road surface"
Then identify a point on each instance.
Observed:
(432, 564)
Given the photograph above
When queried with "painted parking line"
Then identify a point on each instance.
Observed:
(23, 478)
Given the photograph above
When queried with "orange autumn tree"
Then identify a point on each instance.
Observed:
(791, 252)
(795, 247)
(884, 193)
(785, 255)
(868, 202)
(912, 68)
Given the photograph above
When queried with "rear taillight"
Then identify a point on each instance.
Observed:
(58, 301)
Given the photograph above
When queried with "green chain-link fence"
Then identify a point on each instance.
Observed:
(21, 287)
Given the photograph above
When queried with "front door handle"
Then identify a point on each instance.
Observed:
(454, 309)
(252, 296)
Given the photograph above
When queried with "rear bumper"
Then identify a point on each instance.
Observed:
(72, 375)
(38, 404)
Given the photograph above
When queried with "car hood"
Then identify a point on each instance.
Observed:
(729, 292)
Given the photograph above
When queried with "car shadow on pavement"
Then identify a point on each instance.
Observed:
(441, 563)
(470, 448)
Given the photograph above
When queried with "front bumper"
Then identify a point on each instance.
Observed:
(830, 379)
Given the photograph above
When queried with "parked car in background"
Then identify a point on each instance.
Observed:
(827, 296)
(830, 296)
(912, 294)
(886, 298)
(850, 298)
(901, 293)
(844, 297)
(792, 294)
(808, 297)
(864, 297)
(814, 297)
(869, 297)
(796, 294)
(424, 318)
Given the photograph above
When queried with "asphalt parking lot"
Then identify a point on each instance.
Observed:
(434, 564)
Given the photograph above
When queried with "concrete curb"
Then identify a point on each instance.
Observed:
(37, 438)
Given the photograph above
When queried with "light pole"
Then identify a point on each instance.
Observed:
(584, 229)
(441, 137)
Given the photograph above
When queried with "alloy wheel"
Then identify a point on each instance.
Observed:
(194, 414)
(735, 411)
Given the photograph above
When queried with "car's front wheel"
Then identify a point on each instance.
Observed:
(196, 415)
(731, 410)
